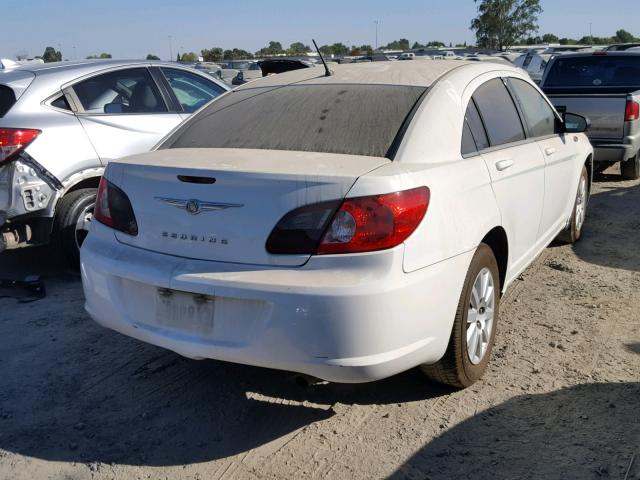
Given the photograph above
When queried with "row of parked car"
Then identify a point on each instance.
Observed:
(347, 222)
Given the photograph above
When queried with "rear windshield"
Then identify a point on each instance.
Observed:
(348, 119)
(7, 99)
(595, 71)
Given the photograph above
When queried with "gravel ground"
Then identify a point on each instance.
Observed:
(561, 399)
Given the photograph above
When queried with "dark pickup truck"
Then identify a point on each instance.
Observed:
(604, 87)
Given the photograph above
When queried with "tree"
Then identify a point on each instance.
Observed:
(532, 40)
(550, 38)
(366, 49)
(22, 55)
(417, 45)
(178, 57)
(339, 49)
(215, 54)
(102, 55)
(236, 54)
(189, 57)
(152, 57)
(622, 36)
(435, 44)
(298, 48)
(402, 44)
(567, 41)
(326, 50)
(274, 48)
(500, 23)
(51, 55)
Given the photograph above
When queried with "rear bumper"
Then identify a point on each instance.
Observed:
(341, 319)
(26, 206)
(603, 152)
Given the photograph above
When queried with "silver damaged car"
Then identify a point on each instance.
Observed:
(61, 123)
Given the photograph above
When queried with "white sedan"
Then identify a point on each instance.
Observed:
(349, 226)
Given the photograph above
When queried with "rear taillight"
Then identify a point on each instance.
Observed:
(113, 208)
(631, 111)
(361, 224)
(377, 222)
(15, 140)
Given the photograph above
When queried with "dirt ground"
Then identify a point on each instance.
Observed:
(561, 399)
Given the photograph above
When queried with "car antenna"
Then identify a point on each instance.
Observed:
(327, 72)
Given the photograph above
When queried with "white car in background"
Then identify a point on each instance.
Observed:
(348, 227)
(62, 122)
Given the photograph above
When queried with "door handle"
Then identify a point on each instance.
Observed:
(550, 151)
(503, 165)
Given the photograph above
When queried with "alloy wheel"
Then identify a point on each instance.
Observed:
(480, 316)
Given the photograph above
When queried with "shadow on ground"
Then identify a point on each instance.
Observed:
(73, 391)
(610, 236)
(581, 432)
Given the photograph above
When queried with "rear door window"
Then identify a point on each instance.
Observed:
(498, 113)
(468, 143)
(121, 92)
(7, 99)
(474, 132)
(538, 114)
(191, 90)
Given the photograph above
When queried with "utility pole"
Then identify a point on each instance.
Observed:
(591, 32)
(170, 49)
(376, 22)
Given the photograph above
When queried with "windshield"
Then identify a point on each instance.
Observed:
(595, 71)
(348, 119)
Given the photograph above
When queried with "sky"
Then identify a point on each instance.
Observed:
(134, 28)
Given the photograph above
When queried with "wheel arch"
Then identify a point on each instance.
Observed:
(89, 178)
(589, 164)
(497, 240)
(91, 182)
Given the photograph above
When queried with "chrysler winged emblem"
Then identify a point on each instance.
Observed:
(194, 206)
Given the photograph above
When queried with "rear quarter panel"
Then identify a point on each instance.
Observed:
(62, 148)
(461, 210)
(462, 207)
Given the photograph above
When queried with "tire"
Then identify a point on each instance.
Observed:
(68, 237)
(458, 367)
(630, 169)
(578, 215)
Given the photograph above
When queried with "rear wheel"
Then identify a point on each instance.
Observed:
(574, 231)
(630, 169)
(474, 326)
(73, 217)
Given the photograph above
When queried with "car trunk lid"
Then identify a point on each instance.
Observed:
(222, 204)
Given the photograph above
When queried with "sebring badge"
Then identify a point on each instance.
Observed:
(195, 207)
(190, 237)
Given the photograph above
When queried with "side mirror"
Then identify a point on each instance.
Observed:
(113, 108)
(574, 123)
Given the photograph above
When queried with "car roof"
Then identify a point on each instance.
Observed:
(602, 54)
(419, 73)
(63, 72)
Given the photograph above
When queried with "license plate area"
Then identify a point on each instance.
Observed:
(185, 312)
